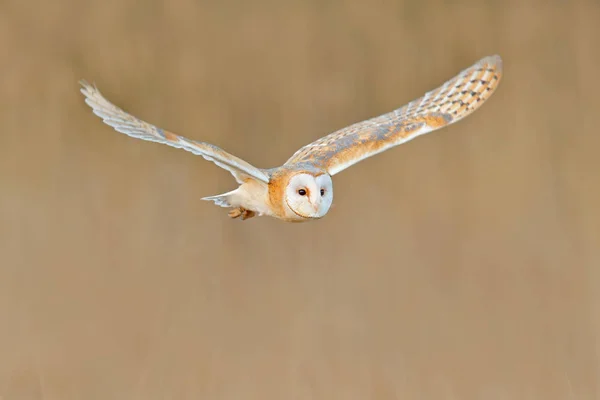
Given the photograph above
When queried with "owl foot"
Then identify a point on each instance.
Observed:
(241, 212)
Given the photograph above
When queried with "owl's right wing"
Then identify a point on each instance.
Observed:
(134, 127)
(449, 103)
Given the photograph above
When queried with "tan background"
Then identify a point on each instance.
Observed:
(462, 265)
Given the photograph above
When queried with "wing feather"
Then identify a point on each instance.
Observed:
(134, 127)
(445, 105)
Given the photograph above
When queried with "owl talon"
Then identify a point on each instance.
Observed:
(247, 214)
(236, 212)
(241, 212)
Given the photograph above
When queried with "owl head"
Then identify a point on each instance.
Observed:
(308, 195)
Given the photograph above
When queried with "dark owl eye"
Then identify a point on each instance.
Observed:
(322, 192)
(302, 192)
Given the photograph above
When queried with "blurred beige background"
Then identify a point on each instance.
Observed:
(461, 265)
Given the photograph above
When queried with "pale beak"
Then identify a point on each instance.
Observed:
(316, 205)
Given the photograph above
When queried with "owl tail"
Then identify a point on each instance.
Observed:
(222, 200)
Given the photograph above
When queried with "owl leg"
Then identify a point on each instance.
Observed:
(241, 212)
(247, 214)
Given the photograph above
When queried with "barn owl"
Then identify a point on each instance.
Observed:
(302, 189)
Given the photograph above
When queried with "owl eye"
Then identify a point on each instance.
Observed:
(322, 192)
(302, 192)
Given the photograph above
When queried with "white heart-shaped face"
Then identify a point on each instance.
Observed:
(309, 196)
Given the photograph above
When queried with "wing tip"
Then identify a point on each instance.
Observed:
(494, 60)
(88, 89)
(85, 84)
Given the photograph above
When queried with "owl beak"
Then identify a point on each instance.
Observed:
(316, 205)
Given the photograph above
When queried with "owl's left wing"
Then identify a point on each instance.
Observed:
(445, 105)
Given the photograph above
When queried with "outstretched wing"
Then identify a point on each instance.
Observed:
(134, 127)
(447, 104)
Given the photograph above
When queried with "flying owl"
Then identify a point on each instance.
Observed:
(302, 189)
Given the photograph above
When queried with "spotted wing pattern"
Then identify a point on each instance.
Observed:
(449, 103)
(134, 127)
